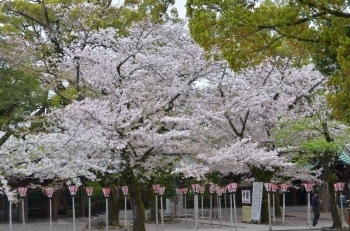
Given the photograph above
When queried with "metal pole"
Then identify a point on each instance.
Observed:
(185, 209)
(161, 211)
(50, 215)
(308, 209)
(234, 209)
(10, 216)
(89, 213)
(231, 210)
(211, 209)
(125, 212)
(157, 210)
(73, 205)
(284, 206)
(107, 223)
(225, 203)
(195, 211)
(220, 211)
(269, 206)
(273, 208)
(202, 209)
(23, 215)
(342, 213)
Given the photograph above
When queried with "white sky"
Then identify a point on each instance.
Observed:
(180, 5)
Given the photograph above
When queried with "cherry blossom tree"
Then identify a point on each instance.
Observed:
(133, 117)
(145, 105)
(238, 111)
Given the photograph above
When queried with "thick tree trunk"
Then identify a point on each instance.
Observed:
(327, 176)
(135, 199)
(115, 206)
(149, 195)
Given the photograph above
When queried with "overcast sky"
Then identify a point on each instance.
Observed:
(180, 5)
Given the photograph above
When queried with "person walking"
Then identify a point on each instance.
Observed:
(315, 202)
(343, 204)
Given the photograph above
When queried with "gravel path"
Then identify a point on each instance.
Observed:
(293, 218)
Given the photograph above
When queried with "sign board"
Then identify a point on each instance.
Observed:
(246, 213)
(257, 200)
(246, 196)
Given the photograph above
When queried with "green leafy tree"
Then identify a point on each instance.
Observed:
(21, 95)
(246, 32)
(317, 141)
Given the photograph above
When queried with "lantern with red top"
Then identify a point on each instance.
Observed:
(156, 188)
(268, 186)
(212, 189)
(196, 188)
(308, 188)
(49, 192)
(232, 188)
(161, 190)
(156, 191)
(284, 188)
(335, 187)
(201, 191)
(184, 191)
(274, 187)
(178, 191)
(125, 190)
(219, 192)
(22, 193)
(273, 190)
(89, 191)
(340, 186)
(73, 190)
(106, 191)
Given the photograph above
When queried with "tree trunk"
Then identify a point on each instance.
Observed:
(114, 198)
(115, 206)
(151, 201)
(135, 199)
(327, 176)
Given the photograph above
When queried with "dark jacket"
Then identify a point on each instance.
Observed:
(315, 201)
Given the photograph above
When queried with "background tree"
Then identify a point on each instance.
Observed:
(246, 32)
(237, 112)
(316, 139)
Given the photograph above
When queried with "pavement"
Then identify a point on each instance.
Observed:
(295, 220)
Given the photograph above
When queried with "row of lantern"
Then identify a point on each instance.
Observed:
(159, 190)
(73, 190)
